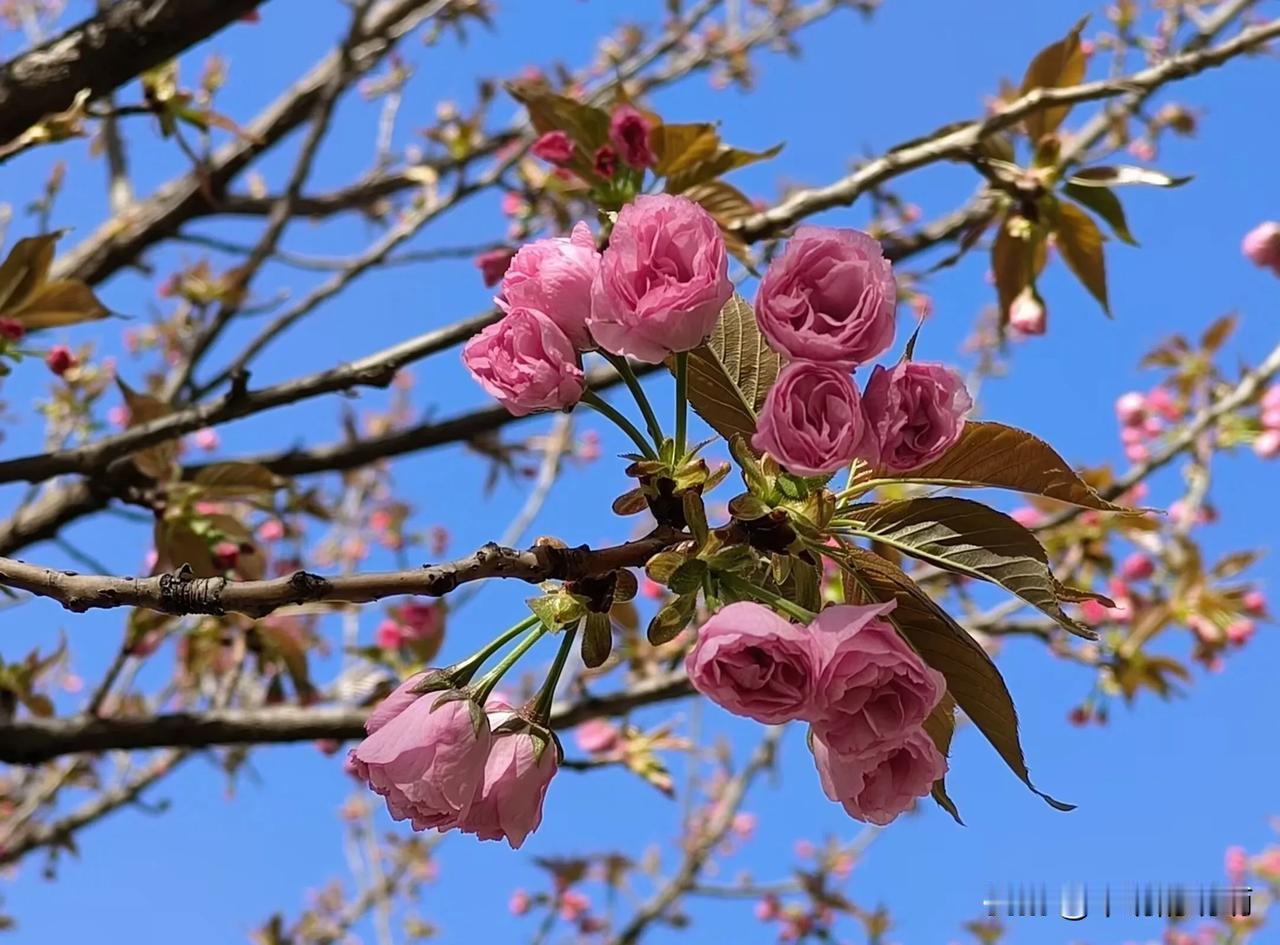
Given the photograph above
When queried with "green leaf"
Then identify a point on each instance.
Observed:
(1122, 175)
(597, 640)
(941, 726)
(969, 538)
(671, 619)
(992, 455)
(731, 373)
(972, 678)
(1080, 241)
(1058, 65)
(661, 566)
(1106, 205)
(687, 578)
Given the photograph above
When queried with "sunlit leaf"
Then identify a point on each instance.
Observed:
(970, 538)
(1122, 175)
(972, 678)
(65, 302)
(730, 375)
(997, 456)
(1080, 242)
(25, 269)
(1058, 65)
(1106, 205)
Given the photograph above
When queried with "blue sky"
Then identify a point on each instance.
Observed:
(1161, 790)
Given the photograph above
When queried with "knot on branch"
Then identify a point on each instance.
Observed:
(307, 586)
(184, 593)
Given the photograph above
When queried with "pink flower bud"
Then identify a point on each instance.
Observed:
(605, 162)
(871, 688)
(1255, 603)
(60, 359)
(1165, 404)
(1236, 862)
(1239, 632)
(753, 663)
(1137, 567)
(555, 276)
(662, 281)
(1261, 246)
(629, 131)
(554, 147)
(226, 555)
(493, 265)
(1271, 398)
(768, 909)
(917, 410)
(519, 902)
(389, 635)
(1267, 445)
(597, 736)
(1027, 314)
(11, 329)
(207, 439)
(1131, 408)
(526, 362)
(1027, 517)
(829, 297)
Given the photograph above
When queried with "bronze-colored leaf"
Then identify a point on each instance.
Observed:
(177, 544)
(597, 640)
(941, 726)
(1015, 264)
(678, 147)
(548, 111)
(155, 461)
(968, 538)
(1058, 65)
(731, 373)
(65, 302)
(727, 204)
(1106, 205)
(237, 478)
(992, 455)
(1080, 241)
(1216, 334)
(723, 160)
(25, 269)
(972, 678)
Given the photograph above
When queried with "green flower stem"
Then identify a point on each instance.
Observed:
(623, 367)
(467, 668)
(776, 601)
(481, 690)
(542, 707)
(593, 400)
(682, 402)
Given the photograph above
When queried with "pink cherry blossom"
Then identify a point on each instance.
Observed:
(662, 281)
(917, 410)
(878, 786)
(813, 421)
(427, 759)
(752, 662)
(872, 688)
(554, 147)
(1261, 246)
(829, 297)
(526, 362)
(629, 130)
(554, 276)
(517, 773)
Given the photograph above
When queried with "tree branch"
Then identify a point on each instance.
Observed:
(181, 593)
(32, 741)
(950, 142)
(103, 53)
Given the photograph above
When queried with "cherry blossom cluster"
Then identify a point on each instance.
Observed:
(863, 690)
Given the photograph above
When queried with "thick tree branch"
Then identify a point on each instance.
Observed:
(103, 53)
(181, 593)
(31, 741)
